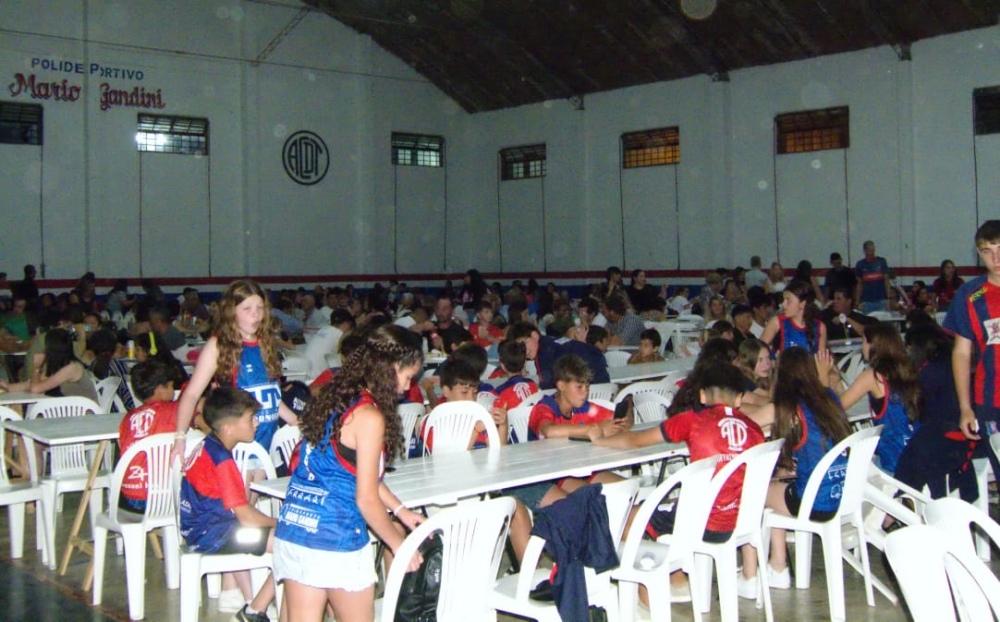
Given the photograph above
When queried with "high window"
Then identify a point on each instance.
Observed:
(417, 150)
(812, 130)
(522, 162)
(170, 134)
(657, 147)
(20, 124)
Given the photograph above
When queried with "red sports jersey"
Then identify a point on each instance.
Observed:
(493, 331)
(322, 379)
(151, 418)
(716, 431)
(514, 391)
(547, 411)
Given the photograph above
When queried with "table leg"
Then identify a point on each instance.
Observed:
(74, 540)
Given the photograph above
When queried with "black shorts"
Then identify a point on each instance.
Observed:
(248, 540)
(794, 503)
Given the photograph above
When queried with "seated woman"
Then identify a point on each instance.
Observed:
(149, 345)
(716, 311)
(56, 371)
(754, 361)
(109, 361)
(775, 283)
(798, 324)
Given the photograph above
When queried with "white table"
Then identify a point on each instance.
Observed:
(647, 371)
(70, 431)
(21, 397)
(446, 478)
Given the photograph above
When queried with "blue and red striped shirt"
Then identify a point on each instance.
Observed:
(975, 314)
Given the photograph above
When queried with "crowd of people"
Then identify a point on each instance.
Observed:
(763, 365)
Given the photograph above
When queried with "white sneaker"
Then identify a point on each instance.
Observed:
(779, 580)
(230, 601)
(746, 588)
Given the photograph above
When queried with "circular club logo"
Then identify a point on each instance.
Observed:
(306, 158)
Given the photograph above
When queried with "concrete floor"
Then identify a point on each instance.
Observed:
(35, 593)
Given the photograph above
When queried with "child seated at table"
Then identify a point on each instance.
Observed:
(649, 348)
(516, 387)
(460, 383)
(153, 383)
(598, 337)
(484, 333)
(719, 429)
(216, 516)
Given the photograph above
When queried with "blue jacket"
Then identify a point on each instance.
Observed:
(549, 352)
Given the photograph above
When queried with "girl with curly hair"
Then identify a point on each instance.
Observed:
(349, 433)
(241, 353)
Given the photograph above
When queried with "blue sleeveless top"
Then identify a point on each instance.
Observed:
(808, 453)
(790, 334)
(251, 376)
(891, 413)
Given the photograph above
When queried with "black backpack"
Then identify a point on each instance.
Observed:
(419, 590)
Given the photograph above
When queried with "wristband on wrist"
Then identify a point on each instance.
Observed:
(398, 508)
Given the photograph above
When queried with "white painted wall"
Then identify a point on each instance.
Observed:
(909, 180)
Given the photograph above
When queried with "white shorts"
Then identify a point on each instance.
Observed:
(353, 571)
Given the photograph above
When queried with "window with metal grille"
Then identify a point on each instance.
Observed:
(657, 147)
(20, 124)
(812, 130)
(986, 110)
(417, 150)
(522, 162)
(169, 134)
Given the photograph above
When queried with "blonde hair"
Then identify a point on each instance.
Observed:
(229, 340)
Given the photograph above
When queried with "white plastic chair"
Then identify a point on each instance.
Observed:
(517, 422)
(602, 402)
(283, 443)
(473, 537)
(603, 391)
(159, 514)
(452, 424)
(534, 398)
(851, 367)
(486, 399)
(194, 565)
(490, 368)
(295, 366)
(650, 407)
(250, 457)
(617, 358)
(69, 466)
(409, 414)
(860, 447)
(650, 563)
(511, 593)
(15, 495)
(107, 390)
(653, 386)
(759, 461)
(936, 573)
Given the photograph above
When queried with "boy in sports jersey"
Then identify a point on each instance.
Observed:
(483, 332)
(216, 516)
(974, 320)
(153, 383)
(722, 430)
(515, 387)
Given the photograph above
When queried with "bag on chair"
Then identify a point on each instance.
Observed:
(419, 590)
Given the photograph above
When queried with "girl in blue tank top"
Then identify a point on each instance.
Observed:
(893, 389)
(797, 324)
(336, 494)
(809, 417)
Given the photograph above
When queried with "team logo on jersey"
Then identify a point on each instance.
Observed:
(522, 390)
(734, 431)
(992, 331)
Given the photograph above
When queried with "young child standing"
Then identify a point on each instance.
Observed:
(216, 516)
(973, 318)
(350, 432)
(241, 354)
(153, 383)
(719, 429)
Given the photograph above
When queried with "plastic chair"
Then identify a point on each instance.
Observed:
(650, 563)
(511, 593)
(194, 565)
(860, 447)
(486, 399)
(636, 388)
(759, 462)
(617, 358)
(517, 422)
(452, 424)
(937, 571)
(159, 514)
(851, 367)
(603, 391)
(650, 407)
(15, 495)
(283, 443)
(251, 457)
(107, 390)
(69, 467)
(295, 366)
(409, 414)
(533, 399)
(473, 538)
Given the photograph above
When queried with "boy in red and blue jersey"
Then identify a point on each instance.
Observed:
(516, 387)
(974, 320)
(216, 516)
